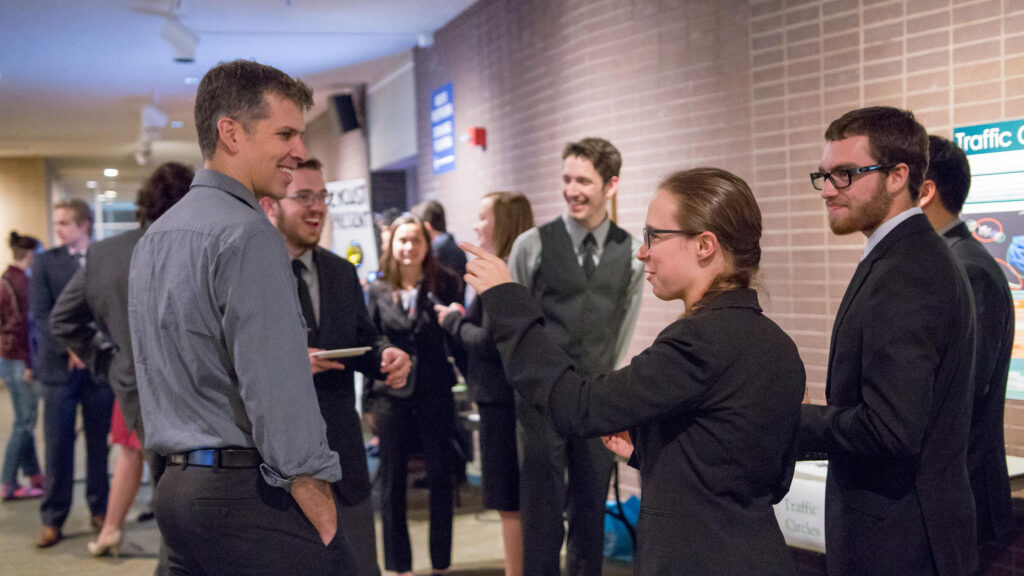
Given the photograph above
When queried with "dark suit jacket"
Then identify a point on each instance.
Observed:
(51, 271)
(344, 323)
(420, 335)
(897, 497)
(96, 298)
(449, 254)
(485, 376)
(712, 407)
(986, 452)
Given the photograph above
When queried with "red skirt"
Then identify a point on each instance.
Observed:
(119, 432)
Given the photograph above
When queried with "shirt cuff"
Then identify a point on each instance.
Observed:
(322, 467)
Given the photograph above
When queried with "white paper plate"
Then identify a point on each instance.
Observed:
(342, 352)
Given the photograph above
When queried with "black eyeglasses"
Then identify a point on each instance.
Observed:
(842, 178)
(655, 233)
(308, 197)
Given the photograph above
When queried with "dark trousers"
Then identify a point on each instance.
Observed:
(230, 521)
(431, 417)
(544, 458)
(362, 535)
(60, 407)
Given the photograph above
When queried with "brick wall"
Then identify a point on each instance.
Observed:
(746, 86)
(23, 204)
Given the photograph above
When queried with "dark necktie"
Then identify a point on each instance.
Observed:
(589, 249)
(306, 302)
(80, 259)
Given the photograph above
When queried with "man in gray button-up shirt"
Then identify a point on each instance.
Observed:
(220, 349)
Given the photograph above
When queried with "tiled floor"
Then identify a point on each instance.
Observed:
(477, 535)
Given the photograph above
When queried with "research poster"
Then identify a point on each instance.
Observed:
(994, 212)
(352, 224)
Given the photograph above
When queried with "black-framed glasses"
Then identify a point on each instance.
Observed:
(842, 178)
(655, 233)
(307, 197)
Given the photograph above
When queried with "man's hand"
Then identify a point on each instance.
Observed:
(619, 443)
(444, 311)
(28, 374)
(322, 364)
(395, 364)
(74, 362)
(315, 499)
(486, 270)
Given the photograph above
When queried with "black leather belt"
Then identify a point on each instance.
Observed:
(218, 458)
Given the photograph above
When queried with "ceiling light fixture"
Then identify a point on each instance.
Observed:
(110, 172)
(110, 194)
(90, 184)
(181, 39)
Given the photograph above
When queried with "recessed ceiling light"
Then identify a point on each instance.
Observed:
(110, 172)
(110, 193)
(177, 124)
(191, 80)
(90, 184)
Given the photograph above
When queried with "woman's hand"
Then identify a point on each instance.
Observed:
(486, 270)
(620, 443)
(444, 311)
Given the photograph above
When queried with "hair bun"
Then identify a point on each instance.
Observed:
(14, 237)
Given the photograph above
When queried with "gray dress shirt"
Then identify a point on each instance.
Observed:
(219, 341)
(524, 260)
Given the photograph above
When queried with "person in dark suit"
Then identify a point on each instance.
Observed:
(337, 319)
(711, 409)
(442, 244)
(503, 216)
(94, 303)
(942, 198)
(898, 391)
(67, 382)
(401, 306)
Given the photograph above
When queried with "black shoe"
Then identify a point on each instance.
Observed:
(145, 516)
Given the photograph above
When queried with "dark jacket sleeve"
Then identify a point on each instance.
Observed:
(601, 404)
(71, 320)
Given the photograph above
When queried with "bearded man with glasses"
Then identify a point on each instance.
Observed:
(898, 391)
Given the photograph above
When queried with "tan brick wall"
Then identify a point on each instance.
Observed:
(747, 86)
(23, 202)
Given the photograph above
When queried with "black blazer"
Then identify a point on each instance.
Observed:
(419, 335)
(986, 452)
(345, 323)
(897, 498)
(712, 407)
(51, 271)
(485, 376)
(97, 297)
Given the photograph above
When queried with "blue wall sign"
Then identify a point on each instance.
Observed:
(442, 128)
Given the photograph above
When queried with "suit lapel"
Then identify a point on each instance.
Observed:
(912, 225)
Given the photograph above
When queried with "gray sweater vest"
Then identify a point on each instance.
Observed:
(583, 316)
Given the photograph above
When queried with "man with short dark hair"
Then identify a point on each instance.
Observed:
(942, 198)
(223, 374)
(442, 244)
(332, 301)
(67, 382)
(580, 268)
(94, 305)
(897, 497)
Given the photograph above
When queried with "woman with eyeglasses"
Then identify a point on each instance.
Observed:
(401, 306)
(710, 410)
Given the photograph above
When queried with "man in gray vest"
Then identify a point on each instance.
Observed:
(580, 267)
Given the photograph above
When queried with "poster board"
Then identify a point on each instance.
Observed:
(353, 236)
(994, 212)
